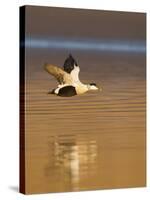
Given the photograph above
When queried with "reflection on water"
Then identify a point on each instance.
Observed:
(72, 159)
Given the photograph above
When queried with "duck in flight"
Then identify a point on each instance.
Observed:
(68, 78)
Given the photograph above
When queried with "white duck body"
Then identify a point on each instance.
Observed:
(68, 78)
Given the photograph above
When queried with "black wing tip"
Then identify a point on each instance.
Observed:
(70, 55)
(69, 63)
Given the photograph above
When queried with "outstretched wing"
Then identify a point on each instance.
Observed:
(61, 76)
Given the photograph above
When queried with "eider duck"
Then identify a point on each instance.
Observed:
(68, 78)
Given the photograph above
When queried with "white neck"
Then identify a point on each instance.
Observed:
(75, 74)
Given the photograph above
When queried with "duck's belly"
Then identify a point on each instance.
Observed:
(81, 89)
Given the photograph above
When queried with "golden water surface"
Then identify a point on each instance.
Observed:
(91, 141)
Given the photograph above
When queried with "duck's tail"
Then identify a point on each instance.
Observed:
(52, 92)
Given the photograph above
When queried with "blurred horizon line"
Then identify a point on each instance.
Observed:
(110, 45)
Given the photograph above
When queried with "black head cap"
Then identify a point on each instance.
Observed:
(93, 84)
(69, 64)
